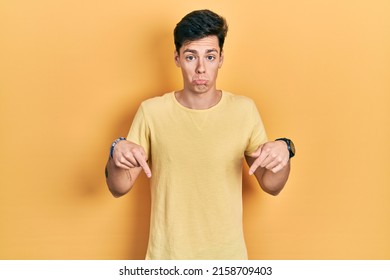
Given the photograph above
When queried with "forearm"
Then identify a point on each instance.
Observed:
(271, 182)
(120, 180)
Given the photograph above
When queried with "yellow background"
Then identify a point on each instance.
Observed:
(74, 72)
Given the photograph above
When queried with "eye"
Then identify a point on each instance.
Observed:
(190, 57)
(210, 57)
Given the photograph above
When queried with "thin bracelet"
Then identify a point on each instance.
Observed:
(113, 145)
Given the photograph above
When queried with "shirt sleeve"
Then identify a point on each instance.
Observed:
(139, 132)
(258, 135)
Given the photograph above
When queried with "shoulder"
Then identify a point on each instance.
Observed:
(238, 100)
(157, 102)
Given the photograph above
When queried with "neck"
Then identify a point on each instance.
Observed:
(198, 101)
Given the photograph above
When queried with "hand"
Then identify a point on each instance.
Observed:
(272, 155)
(130, 155)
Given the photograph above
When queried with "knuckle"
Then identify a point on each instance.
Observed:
(136, 151)
(127, 155)
(267, 149)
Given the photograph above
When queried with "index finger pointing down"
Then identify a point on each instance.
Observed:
(142, 162)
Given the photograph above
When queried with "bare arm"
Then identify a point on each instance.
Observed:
(271, 165)
(129, 159)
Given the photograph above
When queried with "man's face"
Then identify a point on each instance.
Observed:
(199, 62)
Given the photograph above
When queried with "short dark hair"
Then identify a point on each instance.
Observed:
(199, 24)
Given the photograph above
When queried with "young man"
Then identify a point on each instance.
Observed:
(191, 144)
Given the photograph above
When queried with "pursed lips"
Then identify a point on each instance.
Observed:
(200, 81)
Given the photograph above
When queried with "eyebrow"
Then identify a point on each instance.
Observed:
(196, 52)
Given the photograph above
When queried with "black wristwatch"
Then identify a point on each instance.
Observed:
(290, 145)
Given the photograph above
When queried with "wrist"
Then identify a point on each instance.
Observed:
(114, 144)
(290, 146)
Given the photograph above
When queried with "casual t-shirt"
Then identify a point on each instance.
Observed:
(196, 186)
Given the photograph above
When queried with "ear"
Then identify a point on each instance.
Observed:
(221, 60)
(177, 58)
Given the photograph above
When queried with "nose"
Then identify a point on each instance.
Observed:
(200, 69)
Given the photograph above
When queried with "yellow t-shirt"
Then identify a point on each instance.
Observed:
(196, 185)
